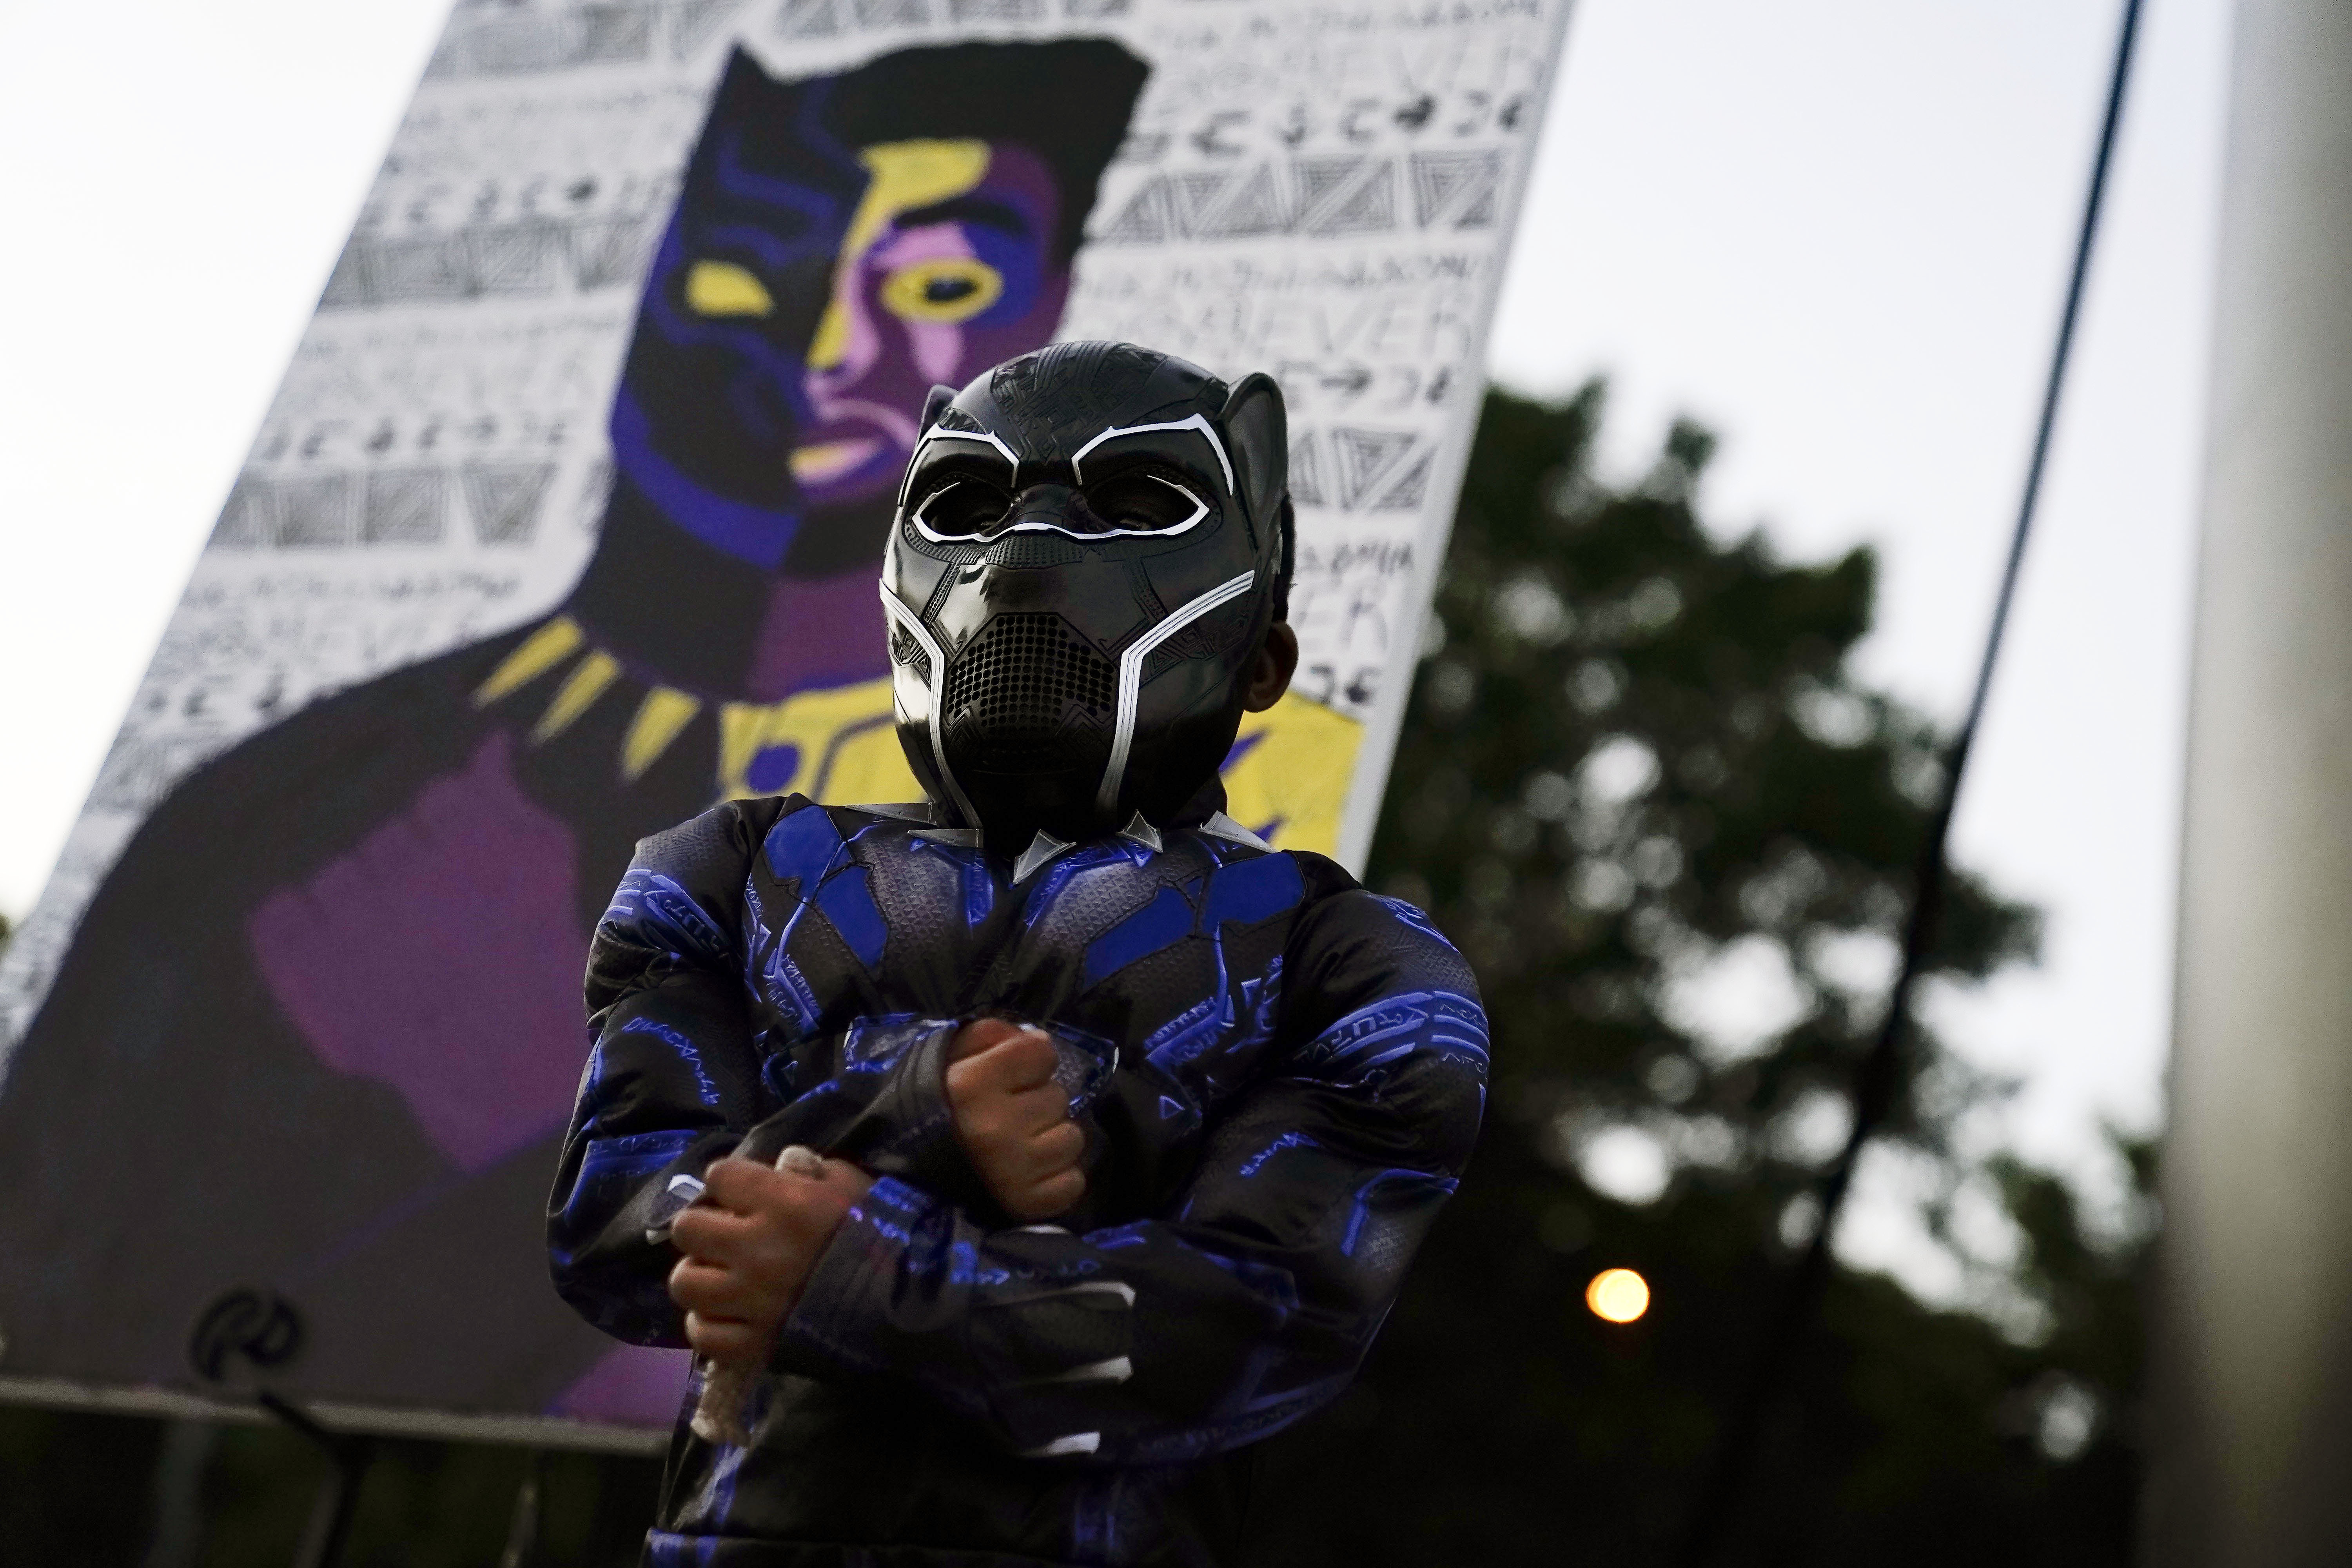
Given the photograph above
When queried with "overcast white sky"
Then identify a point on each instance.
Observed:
(1838, 232)
(1835, 231)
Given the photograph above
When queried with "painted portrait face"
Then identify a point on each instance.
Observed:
(944, 271)
(822, 273)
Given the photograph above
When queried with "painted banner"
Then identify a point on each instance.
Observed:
(565, 523)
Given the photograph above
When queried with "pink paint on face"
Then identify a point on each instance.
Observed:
(938, 346)
(863, 409)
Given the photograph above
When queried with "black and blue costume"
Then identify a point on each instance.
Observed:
(1280, 1076)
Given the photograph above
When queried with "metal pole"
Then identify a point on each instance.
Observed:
(522, 1525)
(177, 1538)
(2252, 1408)
(330, 1517)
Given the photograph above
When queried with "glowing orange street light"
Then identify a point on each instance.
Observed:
(1618, 1295)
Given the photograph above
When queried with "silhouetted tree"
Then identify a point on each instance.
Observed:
(1637, 768)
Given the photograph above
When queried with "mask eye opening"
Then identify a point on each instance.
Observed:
(960, 508)
(1147, 500)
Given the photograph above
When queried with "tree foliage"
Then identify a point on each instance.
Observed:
(1637, 768)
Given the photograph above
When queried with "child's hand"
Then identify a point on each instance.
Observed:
(1014, 1119)
(750, 1241)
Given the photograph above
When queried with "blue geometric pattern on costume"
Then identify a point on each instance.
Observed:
(979, 891)
(1416, 1184)
(979, 884)
(1070, 864)
(850, 906)
(1253, 891)
(678, 1042)
(876, 1045)
(667, 914)
(1280, 1074)
(1236, 1026)
(755, 918)
(808, 853)
(1413, 917)
(1166, 920)
(1256, 1161)
(781, 983)
(779, 1070)
(1247, 893)
(803, 849)
(1372, 1037)
(629, 1158)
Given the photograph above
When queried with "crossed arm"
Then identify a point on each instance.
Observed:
(1248, 1259)
(747, 1245)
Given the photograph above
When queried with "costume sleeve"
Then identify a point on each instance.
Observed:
(1256, 1294)
(676, 1078)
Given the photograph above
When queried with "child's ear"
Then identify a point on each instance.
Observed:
(1259, 429)
(1270, 673)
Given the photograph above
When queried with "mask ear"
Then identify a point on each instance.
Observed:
(1259, 432)
(933, 407)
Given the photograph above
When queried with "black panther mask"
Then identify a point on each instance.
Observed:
(1090, 544)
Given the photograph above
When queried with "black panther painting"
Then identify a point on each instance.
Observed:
(317, 1033)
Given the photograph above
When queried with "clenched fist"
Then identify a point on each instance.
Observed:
(1014, 1119)
(750, 1241)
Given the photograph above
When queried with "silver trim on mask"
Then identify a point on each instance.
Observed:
(923, 526)
(935, 434)
(896, 610)
(1130, 677)
(1197, 422)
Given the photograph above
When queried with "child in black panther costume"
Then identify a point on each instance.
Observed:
(1130, 1123)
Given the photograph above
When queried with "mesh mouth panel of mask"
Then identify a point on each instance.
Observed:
(1019, 551)
(1016, 685)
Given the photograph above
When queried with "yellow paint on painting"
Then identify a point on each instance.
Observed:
(903, 175)
(534, 656)
(845, 739)
(946, 290)
(725, 288)
(578, 693)
(869, 767)
(1301, 757)
(665, 711)
(1294, 773)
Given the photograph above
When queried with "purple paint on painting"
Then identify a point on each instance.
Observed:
(632, 1386)
(1241, 748)
(825, 631)
(440, 957)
